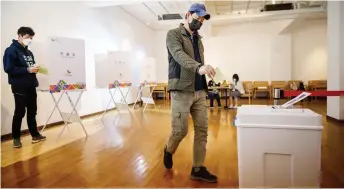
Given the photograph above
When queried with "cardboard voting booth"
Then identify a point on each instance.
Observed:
(64, 73)
(114, 72)
(147, 78)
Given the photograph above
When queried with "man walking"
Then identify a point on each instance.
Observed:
(187, 84)
(20, 66)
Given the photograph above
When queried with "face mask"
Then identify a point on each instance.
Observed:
(27, 42)
(234, 80)
(195, 25)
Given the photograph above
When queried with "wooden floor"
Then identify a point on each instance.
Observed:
(126, 151)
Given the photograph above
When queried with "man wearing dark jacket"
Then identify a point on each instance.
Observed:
(188, 87)
(20, 66)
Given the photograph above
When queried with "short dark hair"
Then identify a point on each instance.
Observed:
(235, 76)
(26, 30)
(186, 15)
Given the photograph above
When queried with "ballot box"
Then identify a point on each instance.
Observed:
(278, 147)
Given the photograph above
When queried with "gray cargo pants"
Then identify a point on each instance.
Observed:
(184, 103)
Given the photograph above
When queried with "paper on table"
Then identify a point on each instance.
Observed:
(296, 99)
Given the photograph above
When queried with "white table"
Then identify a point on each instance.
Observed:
(278, 147)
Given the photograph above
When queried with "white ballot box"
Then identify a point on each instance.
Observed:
(278, 147)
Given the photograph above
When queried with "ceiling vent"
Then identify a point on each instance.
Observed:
(169, 17)
(278, 7)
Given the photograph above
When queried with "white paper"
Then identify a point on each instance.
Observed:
(219, 77)
(296, 99)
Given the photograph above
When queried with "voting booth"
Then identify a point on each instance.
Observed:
(278, 147)
(147, 82)
(64, 76)
(114, 73)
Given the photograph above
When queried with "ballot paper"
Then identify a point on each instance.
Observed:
(43, 70)
(219, 77)
(296, 99)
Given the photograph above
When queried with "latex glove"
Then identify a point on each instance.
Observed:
(207, 69)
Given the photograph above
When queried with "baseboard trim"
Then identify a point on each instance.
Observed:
(8, 136)
(334, 119)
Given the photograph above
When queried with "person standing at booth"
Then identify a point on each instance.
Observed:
(188, 87)
(19, 64)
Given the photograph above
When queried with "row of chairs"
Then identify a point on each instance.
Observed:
(254, 87)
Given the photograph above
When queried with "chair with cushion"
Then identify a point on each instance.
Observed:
(261, 86)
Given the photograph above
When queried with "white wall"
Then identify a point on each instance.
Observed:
(259, 51)
(309, 51)
(160, 52)
(249, 49)
(102, 29)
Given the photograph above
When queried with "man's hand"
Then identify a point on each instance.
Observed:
(33, 69)
(207, 69)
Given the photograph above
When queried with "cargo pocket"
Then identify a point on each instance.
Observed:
(179, 129)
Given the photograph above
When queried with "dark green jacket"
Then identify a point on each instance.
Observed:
(182, 65)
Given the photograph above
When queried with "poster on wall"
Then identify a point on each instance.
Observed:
(147, 69)
(65, 64)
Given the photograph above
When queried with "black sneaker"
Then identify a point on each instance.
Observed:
(38, 139)
(168, 159)
(201, 173)
(17, 143)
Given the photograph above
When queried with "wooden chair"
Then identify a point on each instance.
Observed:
(277, 85)
(317, 85)
(159, 89)
(261, 86)
(248, 87)
(167, 94)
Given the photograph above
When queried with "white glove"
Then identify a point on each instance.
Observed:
(207, 69)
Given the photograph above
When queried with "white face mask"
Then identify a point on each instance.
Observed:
(234, 80)
(27, 42)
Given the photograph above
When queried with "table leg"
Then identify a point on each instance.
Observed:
(226, 97)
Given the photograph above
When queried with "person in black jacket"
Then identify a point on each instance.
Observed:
(19, 64)
(214, 93)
